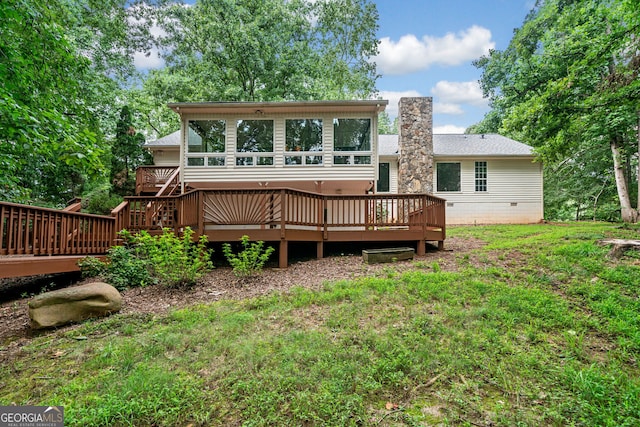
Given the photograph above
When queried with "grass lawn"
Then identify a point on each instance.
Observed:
(537, 327)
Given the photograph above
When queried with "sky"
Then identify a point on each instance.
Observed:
(427, 48)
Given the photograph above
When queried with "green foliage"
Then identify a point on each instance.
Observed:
(250, 260)
(100, 201)
(144, 259)
(173, 260)
(266, 50)
(568, 85)
(127, 153)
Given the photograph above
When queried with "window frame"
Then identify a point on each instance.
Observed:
(306, 157)
(257, 158)
(386, 181)
(206, 157)
(353, 157)
(480, 169)
(438, 180)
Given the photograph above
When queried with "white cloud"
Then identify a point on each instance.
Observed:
(446, 108)
(148, 61)
(151, 59)
(394, 98)
(459, 93)
(409, 54)
(448, 129)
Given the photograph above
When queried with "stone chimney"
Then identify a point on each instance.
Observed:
(415, 143)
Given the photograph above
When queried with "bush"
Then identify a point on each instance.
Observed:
(174, 260)
(144, 259)
(250, 260)
(100, 201)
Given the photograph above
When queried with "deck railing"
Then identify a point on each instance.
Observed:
(32, 230)
(282, 208)
(150, 179)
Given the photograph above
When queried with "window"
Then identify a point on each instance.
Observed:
(448, 176)
(206, 143)
(481, 176)
(303, 142)
(383, 178)
(255, 142)
(352, 137)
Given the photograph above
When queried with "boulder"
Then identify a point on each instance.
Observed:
(73, 304)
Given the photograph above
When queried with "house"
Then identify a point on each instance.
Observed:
(332, 147)
(486, 179)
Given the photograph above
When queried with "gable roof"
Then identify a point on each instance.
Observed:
(461, 145)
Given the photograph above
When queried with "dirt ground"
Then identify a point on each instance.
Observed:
(15, 330)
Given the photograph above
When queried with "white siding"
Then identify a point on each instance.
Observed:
(514, 193)
(166, 157)
(279, 171)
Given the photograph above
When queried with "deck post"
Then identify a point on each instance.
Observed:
(320, 249)
(422, 247)
(283, 259)
(200, 212)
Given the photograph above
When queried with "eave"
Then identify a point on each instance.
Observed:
(265, 108)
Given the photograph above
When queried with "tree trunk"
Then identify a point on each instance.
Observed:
(638, 171)
(627, 212)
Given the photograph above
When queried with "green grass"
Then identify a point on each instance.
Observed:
(538, 327)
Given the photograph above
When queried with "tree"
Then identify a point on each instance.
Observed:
(62, 64)
(266, 50)
(127, 153)
(568, 83)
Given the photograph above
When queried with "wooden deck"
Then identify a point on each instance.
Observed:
(276, 216)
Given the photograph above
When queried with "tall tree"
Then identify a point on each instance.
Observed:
(266, 50)
(127, 153)
(568, 84)
(61, 66)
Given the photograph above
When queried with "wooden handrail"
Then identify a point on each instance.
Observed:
(150, 178)
(32, 230)
(283, 207)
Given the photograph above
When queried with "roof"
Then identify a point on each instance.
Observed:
(259, 108)
(443, 145)
(171, 140)
(461, 145)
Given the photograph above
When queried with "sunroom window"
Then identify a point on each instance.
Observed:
(254, 143)
(303, 142)
(352, 138)
(206, 143)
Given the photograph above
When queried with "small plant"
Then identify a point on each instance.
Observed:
(250, 260)
(144, 259)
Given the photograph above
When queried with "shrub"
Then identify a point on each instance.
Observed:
(144, 259)
(174, 260)
(250, 260)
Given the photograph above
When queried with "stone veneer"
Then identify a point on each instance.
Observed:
(415, 140)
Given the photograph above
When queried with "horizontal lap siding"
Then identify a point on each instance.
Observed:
(514, 193)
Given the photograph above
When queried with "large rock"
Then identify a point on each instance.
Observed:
(73, 304)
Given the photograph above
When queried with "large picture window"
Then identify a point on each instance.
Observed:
(448, 176)
(352, 137)
(206, 143)
(303, 142)
(254, 143)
